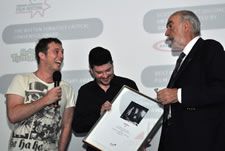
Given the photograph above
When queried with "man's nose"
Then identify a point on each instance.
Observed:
(104, 74)
(167, 32)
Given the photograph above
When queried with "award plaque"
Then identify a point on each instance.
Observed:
(132, 122)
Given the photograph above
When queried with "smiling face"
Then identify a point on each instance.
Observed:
(53, 59)
(103, 74)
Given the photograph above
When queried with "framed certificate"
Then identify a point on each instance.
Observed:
(133, 120)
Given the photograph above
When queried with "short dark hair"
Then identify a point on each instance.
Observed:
(42, 46)
(99, 56)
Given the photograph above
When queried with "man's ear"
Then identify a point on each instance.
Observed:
(91, 72)
(187, 25)
(41, 55)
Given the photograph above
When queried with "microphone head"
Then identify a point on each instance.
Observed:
(57, 76)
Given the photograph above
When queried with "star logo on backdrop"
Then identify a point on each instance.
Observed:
(42, 6)
(33, 7)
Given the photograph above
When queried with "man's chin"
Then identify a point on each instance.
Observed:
(176, 50)
(176, 47)
(105, 83)
(57, 67)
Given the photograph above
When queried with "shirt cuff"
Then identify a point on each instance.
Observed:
(179, 95)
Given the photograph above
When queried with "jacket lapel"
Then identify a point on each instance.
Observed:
(185, 63)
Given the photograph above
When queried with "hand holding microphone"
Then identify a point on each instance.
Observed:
(57, 76)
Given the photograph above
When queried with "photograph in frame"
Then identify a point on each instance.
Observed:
(132, 121)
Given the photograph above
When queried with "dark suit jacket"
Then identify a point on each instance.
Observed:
(198, 122)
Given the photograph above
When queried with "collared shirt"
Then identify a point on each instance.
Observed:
(186, 50)
(89, 101)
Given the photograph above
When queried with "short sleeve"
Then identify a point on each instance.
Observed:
(70, 95)
(17, 86)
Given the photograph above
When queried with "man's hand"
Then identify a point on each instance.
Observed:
(167, 96)
(105, 107)
(53, 95)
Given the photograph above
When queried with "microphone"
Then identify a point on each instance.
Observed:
(57, 76)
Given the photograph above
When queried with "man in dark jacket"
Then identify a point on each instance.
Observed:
(195, 96)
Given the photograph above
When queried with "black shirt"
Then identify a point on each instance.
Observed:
(90, 99)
